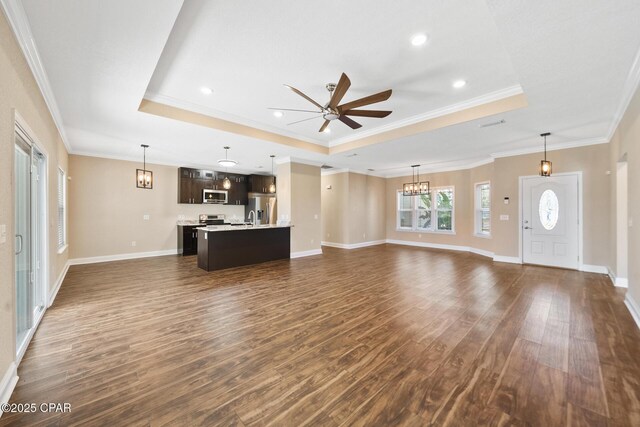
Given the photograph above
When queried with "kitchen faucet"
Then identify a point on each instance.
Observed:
(252, 212)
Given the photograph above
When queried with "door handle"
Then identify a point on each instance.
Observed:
(528, 228)
(19, 236)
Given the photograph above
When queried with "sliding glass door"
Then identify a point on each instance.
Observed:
(30, 235)
(23, 267)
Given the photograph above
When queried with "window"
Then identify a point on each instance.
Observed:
(420, 213)
(62, 222)
(483, 209)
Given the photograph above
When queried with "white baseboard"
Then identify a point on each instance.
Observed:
(302, 254)
(507, 259)
(9, 381)
(54, 291)
(354, 245)
(633, 307)
(482, 252)
(429, 245)
(441, 246)
(619, 282)
(120, 257)
(600, 269)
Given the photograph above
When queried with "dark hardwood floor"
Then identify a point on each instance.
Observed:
(386, 335)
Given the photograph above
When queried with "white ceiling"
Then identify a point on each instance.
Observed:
(571, 58)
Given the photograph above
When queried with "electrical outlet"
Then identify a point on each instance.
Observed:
(133, 243)
(504, 217)
(328, 234)
(313, 240)
(315, 216)
(419, 236)
(364, 235)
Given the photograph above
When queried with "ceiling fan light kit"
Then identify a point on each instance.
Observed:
(333, 111)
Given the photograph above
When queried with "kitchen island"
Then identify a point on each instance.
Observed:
(221, 247)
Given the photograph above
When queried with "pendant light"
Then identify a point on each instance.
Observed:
(415, 187)
(227, 162)
(226, 182)
(144, 178)
(272, 187)
(545, 165)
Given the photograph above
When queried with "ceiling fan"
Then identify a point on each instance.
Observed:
(332, 111)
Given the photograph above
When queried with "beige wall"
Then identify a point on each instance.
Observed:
(299, 202)
(107, 209)
(504, 175)
(463, 208)
(592, 161)
(354, 209)
(626, 144)
(19, 91)
(334, 203)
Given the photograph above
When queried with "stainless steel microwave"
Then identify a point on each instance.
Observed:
(215, 196)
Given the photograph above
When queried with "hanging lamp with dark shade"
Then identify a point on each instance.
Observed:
(415, 187)
(545, 165)
(144, 177)
(272, 187)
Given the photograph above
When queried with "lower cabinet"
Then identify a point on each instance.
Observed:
(188, 239)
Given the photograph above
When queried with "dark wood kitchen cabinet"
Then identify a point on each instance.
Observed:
(188, 239)
(238, 193)
(192, 182)
(260, 183)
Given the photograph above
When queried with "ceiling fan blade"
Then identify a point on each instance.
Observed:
(367, 113)
(340, 90)
(293, 109)
(371, 99)
(351, 123)
(303, 120)
(324, 125)
(304, 96)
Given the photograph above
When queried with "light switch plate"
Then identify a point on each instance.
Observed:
(504, 217)
(146, 217)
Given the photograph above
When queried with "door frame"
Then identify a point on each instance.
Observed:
(580, 215)
(25, 131)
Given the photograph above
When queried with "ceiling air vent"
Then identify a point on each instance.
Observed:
(499, 122)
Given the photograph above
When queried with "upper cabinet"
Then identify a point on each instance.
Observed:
(260, 183)
(192, 182)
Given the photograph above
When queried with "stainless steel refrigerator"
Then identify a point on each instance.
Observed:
(264, 206)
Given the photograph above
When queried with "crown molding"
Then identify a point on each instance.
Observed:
(17, 18)
(290, 159)
(335, 171)
(136, 159)
(630, 87)
(198, 108)
(454, 108)
(551, 147)
(442, 167)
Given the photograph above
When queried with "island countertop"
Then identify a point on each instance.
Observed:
(216, 228)
(237, 247)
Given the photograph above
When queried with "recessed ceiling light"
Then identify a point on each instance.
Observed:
(459, 83)
(278, 114)
(326, 130)
(419, 39)
(206, 90)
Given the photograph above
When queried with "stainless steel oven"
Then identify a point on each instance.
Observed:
(214, 196)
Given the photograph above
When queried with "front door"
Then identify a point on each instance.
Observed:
(550, 221)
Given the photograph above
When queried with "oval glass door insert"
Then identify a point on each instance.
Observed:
(548, 209)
